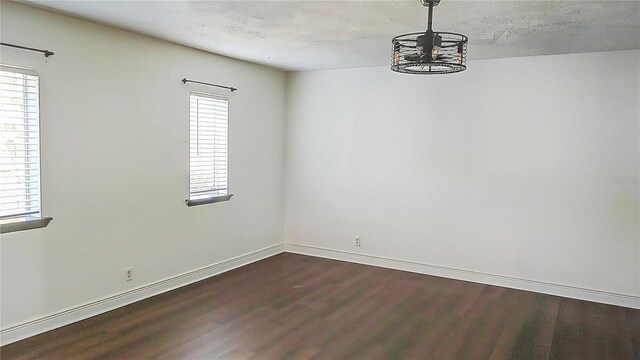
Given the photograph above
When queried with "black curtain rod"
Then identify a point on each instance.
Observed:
(46, 53)
(185, 80)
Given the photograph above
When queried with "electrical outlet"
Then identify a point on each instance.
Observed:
(129, 274)
(358, 242)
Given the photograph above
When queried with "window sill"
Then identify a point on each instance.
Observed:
(208, 200)
(26, 224)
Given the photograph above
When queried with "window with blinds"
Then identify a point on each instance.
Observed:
(20, 144)
(208, 147)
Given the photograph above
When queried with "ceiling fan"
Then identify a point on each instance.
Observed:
(429, 52)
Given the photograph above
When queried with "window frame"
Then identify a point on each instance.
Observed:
(13, 223)
(213, 199)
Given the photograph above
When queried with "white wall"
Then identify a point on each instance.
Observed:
(115, 164)
(522, 167)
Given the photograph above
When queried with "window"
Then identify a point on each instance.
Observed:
(20, 197)
(208, 149)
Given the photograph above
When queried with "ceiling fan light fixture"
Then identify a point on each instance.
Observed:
(429, 52)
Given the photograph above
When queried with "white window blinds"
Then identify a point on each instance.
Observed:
(208, 146)
(20, 144)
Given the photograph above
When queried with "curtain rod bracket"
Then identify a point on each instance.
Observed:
(185, 80)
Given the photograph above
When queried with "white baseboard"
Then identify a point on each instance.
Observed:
(49, 322)
(473, 276)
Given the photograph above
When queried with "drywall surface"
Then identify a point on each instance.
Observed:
(525, 168)
(114, 129)
(315, 35)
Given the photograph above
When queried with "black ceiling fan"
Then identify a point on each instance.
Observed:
(429, 52)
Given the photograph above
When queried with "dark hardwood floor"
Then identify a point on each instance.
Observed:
(298, 307)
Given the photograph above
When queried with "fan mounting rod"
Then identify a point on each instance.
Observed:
(430, 4)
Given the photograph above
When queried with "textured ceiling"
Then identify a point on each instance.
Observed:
(309, 35)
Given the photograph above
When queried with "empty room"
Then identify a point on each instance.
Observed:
(416, 179)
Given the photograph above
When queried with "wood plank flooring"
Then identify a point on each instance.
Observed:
(298, 307)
